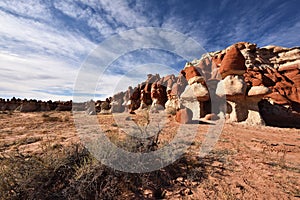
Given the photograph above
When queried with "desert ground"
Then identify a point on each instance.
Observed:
(41, 157)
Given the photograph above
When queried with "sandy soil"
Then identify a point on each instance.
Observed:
(249, 162)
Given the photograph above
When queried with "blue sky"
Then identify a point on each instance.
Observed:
(43, 43)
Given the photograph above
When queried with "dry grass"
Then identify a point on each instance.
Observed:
(72, 173)
(247, 162)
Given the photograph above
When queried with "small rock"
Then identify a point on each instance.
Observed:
(186, 192)
(179, 179)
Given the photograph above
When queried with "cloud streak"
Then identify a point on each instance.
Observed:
(44, 43)
(26, 78)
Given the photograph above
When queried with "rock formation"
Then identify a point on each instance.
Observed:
(116, 103)
(246, 75)
(261, 86)
(33, 105)
(272, 75)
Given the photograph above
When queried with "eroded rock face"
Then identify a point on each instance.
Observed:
(190, 101)
(117, 103)
(179, 86)
(197, 84)
(243, 73)
(11, 105)
(126, 99)
(158, 96)
(272, 73)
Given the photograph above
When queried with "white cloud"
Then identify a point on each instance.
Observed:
(32, 77)
(40, 52)
(37, 60)
(71, 9)
(107, 17)
(25, 35)
(27, 8)
(121, 12)
(85, 13)
(286, 36)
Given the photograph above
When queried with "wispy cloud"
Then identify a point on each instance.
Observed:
(37, 60)
(32, 77)
(31, 9)
(43, 43)
(27, 36)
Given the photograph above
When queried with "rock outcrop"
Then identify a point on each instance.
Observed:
(272, 74)
(33, 105)
(245, 75)
(233, 62)
(261, 86)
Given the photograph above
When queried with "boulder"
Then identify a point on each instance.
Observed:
(200, 91)
(233, 63)
(184, 116)
(258, 91)
(217, 59)
(105, 105)
(211, 116)
(232, 85)
(191, 72)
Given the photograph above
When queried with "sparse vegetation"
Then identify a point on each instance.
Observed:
(38, 161)
(73, 173)
(48, 118)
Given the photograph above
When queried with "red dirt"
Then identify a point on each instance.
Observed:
(252, 162)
